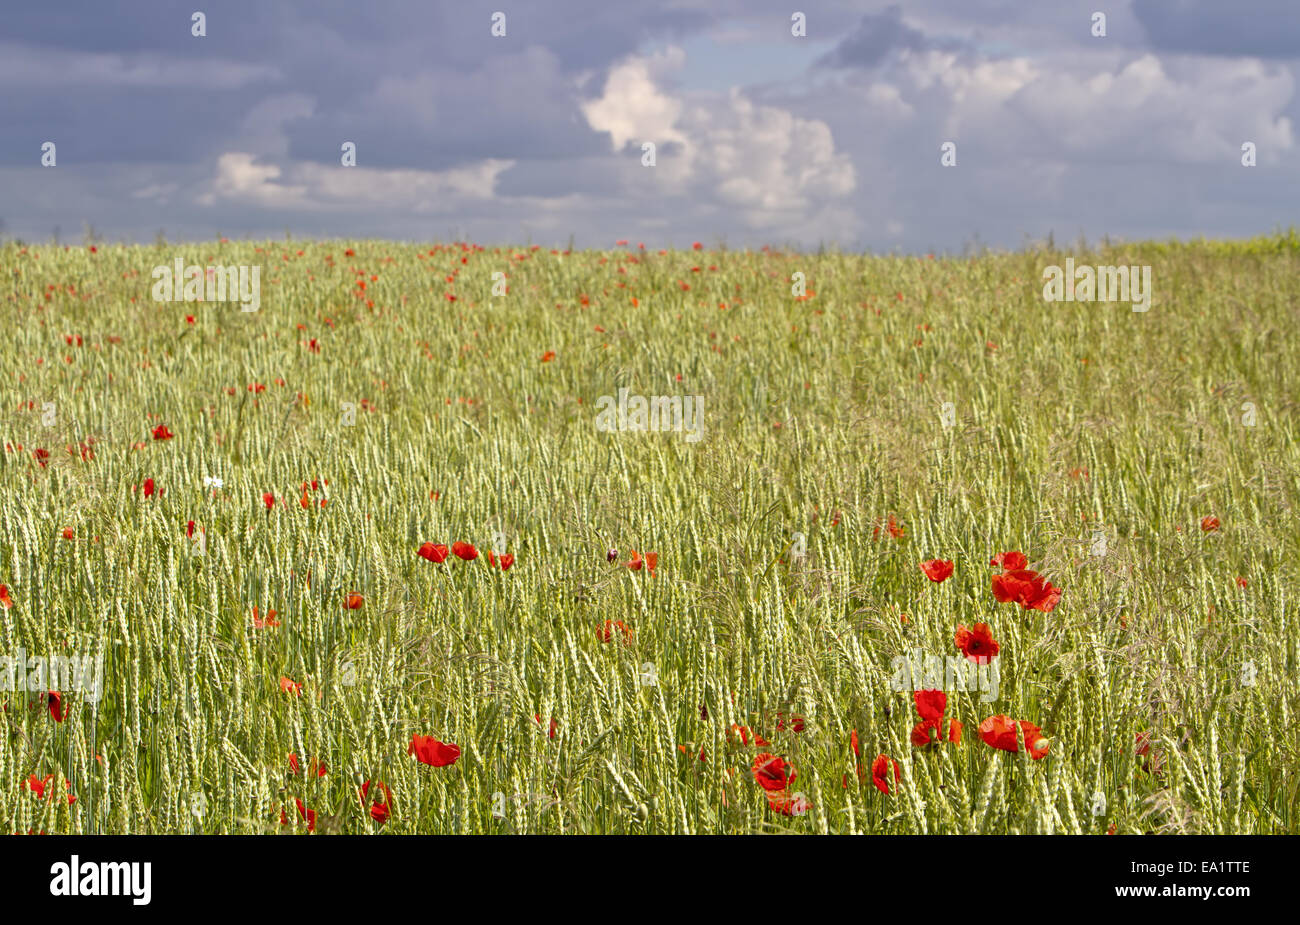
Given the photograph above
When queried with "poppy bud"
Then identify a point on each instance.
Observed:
(611, 555)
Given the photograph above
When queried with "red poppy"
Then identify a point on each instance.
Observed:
(309, 815)
(465, 551)
(435, 553)
(880, 773)
(606, 632)
(1241, 582)
(650, 561)
(555, 724)
(38, 786)
(788, 804)
(162, 433)
(268, 499)
(354, 601)
(505, 560)
(432, 752)
(895, 529)
(977, 644)
(937, 569)
(289, 686)
(5, 600)
(1000, 732)
(548, 356)
(930, 704)
(1027, 588)
(795, 722)
(67, 535)
(260, 624)
(57, 710)
(772, 772)
(1010, 561)
(317, 766)
(379, 808)
(744, 732)
(1209, 522)
(931, 731)
(148, 487)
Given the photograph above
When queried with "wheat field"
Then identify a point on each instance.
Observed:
(684, 621)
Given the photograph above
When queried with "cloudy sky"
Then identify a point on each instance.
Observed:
(762, 137)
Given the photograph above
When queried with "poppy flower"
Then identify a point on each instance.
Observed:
(795, 723)
(67, 535)
(1209, 523)
(650, 561)
(378, 809)
(290, 686)
(317, 766)
(430, 751)
(268, 499)
(932, 731)
(976, 644)
(611, 555)
(434, 552)
(937, 569)
(505, 560)
(771, 772)
(744, 733)
(1000, 732)
(1241, 582)
(788, 804)
(354, 601)
(259, 623)
(38, 786)
(162, 433)
(464, 551)
(1010, 561)
(308, 815)
(148, 488)
(894, 527)
(555, 724)
(1027, 588)
(5, 600)
(930, 704)
(880, 773)
(57, 710)
(548, 356)
(607, 632)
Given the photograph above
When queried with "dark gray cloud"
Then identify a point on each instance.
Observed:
(876, 36)
(1263, 28)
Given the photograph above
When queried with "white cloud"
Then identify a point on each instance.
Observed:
(321, 187)
(769, 166)
(632, 107)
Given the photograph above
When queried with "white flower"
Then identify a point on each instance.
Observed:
(213, 482)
